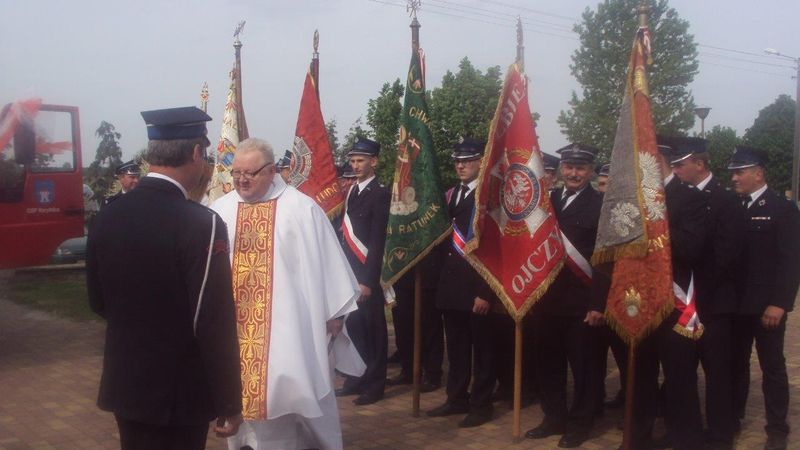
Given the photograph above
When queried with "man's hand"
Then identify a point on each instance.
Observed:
(480, 306)
(366, 292)
(594, 319)
(335, 326)
(227, 426)
(772, 317)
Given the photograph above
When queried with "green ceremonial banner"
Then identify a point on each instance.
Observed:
(418, 213)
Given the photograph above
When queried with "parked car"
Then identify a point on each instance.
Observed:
(70, 251)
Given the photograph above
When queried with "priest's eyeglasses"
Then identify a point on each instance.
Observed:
(237, 174)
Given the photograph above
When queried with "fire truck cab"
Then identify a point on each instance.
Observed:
(41, 181)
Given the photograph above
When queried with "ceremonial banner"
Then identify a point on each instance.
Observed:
(417, 216)
(312, 168)
(633, 231)
(230, 134)
(15, 113)
(252, 293)
(514, 242)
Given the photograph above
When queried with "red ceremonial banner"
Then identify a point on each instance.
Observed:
(312, 168)
(514, 241)
(633, 232)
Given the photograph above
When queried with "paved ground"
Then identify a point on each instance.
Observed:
(49, 371)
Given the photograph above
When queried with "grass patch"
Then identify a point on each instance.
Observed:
(62, 296)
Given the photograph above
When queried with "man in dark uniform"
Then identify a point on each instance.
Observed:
(158, 271)
(432, 348)
(716, 283)
(465, 301)
(284, 166)
(363, 237)
(569, 324)
(767, 288)
(602, 177)
(550, 163)
(128, 176)
(672, 344)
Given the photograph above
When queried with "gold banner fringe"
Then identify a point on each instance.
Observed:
(335, 211)
(637, 249)
(631, 340)
(685, 332)
(497, 287)
(422, 254)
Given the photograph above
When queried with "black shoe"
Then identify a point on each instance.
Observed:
(662, 443)
(475, 419)
(400, 379)
(546, 429)
(573, 439)
(618, 402)
(428, 386)
(449, 409)
(366, 399)
(394, 359)
(346, 391)
(775, 442)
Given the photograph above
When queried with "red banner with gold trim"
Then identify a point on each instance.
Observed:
(312, 168)
(252, 292)
(514, 241)
(633, 232)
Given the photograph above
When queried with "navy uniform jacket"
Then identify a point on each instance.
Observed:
(110, 199)
(369, 215)
(686, 210)
(771, 255)
(725, 227)
(145, 263)
(569, 295)
(459, 283)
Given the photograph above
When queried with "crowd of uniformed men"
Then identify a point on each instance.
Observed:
(735, 251)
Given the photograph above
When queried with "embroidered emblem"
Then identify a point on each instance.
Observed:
(651, 185)
(633, 302)
(623, 216)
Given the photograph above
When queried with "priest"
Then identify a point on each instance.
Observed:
(292, 286)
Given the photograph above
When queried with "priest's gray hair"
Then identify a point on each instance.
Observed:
(257, 145)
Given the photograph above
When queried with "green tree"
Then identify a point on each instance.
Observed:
(601, 62)
(100, 174)
(773, 131)
(333, 139)
(721, 142)
(383, 117)
(462, 106)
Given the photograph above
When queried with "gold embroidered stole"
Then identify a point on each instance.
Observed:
(252, 291)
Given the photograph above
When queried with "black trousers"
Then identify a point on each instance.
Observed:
(562, 341)
(679, 358)
(432, 352)
(775, 383)
(469, 338)
(716, 355)
(609, 340)
(367, 328)
(141, 436)
(504, 330)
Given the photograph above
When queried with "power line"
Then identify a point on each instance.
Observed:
(745, 60)
(557, 26)
(535, 11)
(505, 25)
(745, 69)
(742, 52)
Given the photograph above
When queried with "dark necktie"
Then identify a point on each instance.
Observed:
(567, 195)
(746, 200)
(353, 194)
(462, 194)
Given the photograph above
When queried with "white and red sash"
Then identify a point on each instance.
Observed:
(576, 262)
(689, 322)
(358, 247)
(458, 240)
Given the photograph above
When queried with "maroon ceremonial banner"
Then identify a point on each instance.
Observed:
(633, 232)
(312, 168)
(514, 241)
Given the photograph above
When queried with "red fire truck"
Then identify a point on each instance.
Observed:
(41, 182)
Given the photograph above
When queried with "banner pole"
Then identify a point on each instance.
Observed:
(629, 389)
(517, 379)
(417, 339)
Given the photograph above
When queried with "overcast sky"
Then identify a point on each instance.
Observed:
(114, 59)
